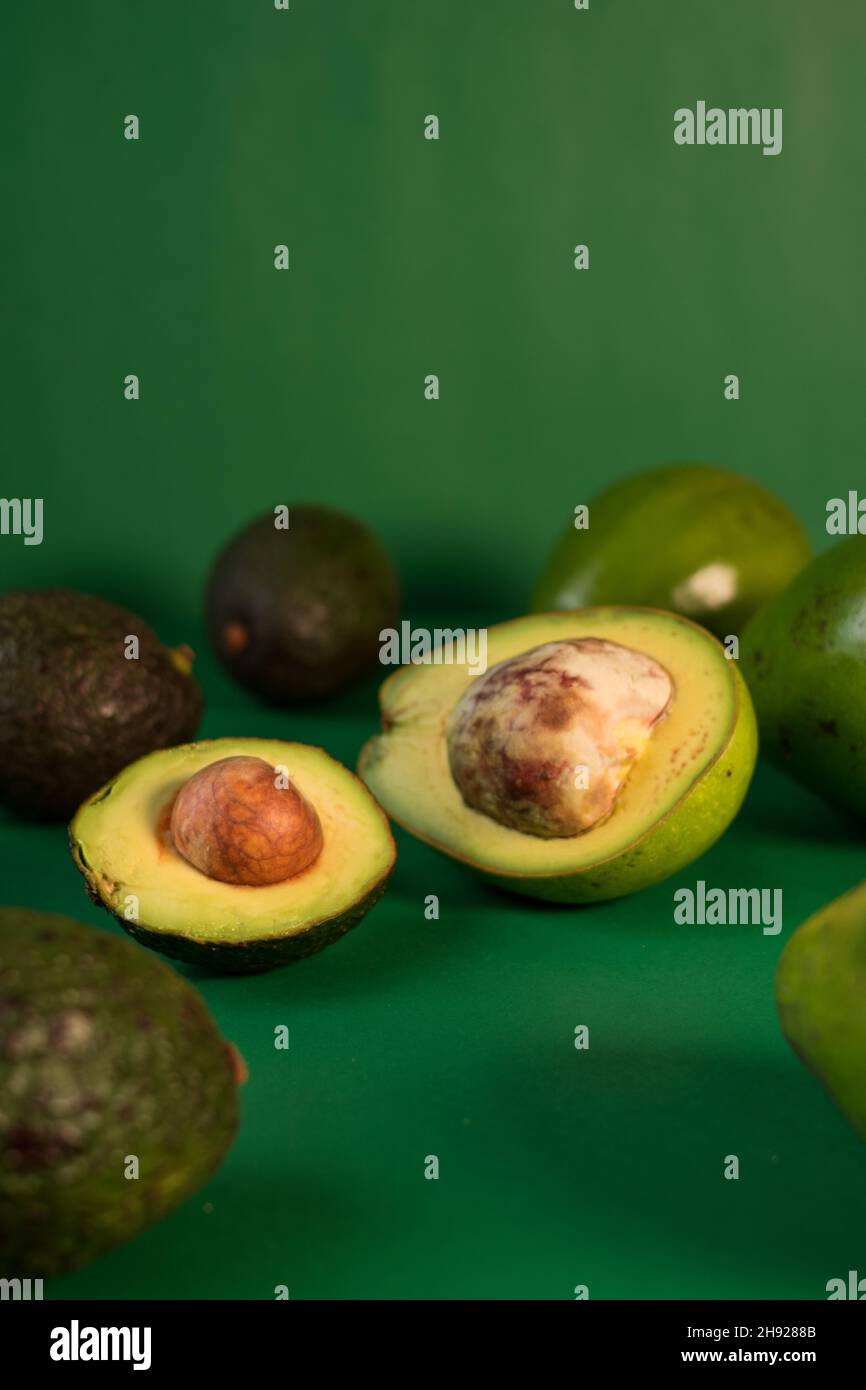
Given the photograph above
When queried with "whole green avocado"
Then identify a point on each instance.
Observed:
(105, 1054)
(691, 538)
(79, 700)
(294, 612)
(804, 659)
(820, 988)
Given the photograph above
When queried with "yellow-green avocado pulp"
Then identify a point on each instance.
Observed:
(679, 798)
(120, 843)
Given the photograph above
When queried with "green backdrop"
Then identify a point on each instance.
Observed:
(454, 257)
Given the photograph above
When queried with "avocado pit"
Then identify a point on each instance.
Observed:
(238, 821)
(543, 743)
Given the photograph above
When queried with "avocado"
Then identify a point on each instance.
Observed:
(820, 988)
(202, 855)
(295, 613)
(79, 698)
(692, 538)
(602, 751)
(804, 658)
(106, 1055)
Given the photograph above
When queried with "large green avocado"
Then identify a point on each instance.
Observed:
(295, 612)
(820, 989)
(698, 540)
(79, 698)
(119, 1096)
(122, 841)
(804, 657)
(600, 752)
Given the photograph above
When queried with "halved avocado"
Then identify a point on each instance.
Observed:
(121, 842)
(678, 797)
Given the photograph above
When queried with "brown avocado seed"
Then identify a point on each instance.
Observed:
(239, 821)
(543, 743)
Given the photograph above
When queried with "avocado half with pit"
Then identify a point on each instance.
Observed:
(600, 752)
(238, 854)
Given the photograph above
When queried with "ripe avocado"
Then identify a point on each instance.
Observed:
(626, 721)
(76, 703)
(105, 1054)
(820, 987)
(804, 657)
(695, 539)
(296, 613)
(121, 840)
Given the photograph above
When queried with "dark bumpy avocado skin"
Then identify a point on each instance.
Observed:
(296, 614)
(105, 1052)
(73, 709)
(804, 658)
(248, 958)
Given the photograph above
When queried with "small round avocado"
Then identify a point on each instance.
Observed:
(295, 613)
(601, 752)
(804, 657)
(85, 687)
(691, 538)
(121, 840)
(106, 1056)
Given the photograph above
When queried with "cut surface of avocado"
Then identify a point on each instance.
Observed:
(679, 796)
(121, 841)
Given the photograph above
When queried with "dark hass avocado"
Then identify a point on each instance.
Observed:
(296, 613)
(121, 842)
(820, 988)
(74, 708)
(698, 540)
(804, 658)
(104, 1053)
(602, 751)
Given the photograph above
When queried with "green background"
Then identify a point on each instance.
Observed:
(454, 1037)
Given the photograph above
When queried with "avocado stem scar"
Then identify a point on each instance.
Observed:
(236, 638)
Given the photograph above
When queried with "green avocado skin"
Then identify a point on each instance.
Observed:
(105, 1053)
(820, 989)
(74, 709)
(648, 537)
(296, 613)
(804, 658)
(248, 958)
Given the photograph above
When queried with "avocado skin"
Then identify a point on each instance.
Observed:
(73, 709)
(804, 657)
(649, 535)
(247, 958)
(820, 988)
(311, 600)
(104, 1052)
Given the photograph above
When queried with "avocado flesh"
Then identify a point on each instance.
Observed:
(695, 539)
(804, 657)
(679, 798)
(120, 843)
(105, 1052)
(820, 988)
